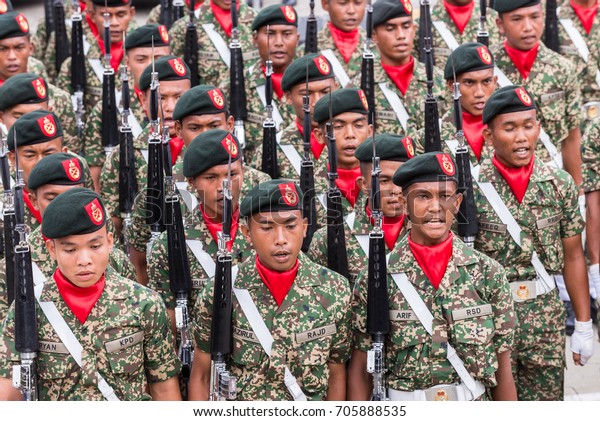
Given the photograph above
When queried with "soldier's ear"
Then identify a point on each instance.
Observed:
(361, 182)
(111, 241)
(230, 123)
(178, 129)
(34, 201)
(319, 135)
(246, 231)
(51, 249)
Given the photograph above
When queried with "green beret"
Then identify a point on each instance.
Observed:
(24, 88)
(503, 6)
(389, 147)
(168, 68)
(35, 127)
(13, 24)
(275, 14)
(59, 168)
(272, 196)
(75, 212)
(200, 100)
(111, 3)
(5, 6)
(209, 149)
(431, 166)
(144, 35)
(347, 100)
(384, 10)
(508, 99)
(319, 68)
(468, 57)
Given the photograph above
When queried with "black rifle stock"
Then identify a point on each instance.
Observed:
(433, 138)
(307, 173)
(236, 80)
(8, 215)
(49, 17)
(551, 38)
(190, 55)
(178, 10)
(166, 13)
(367, 78)
(269, 157)
(78, 77)
(311, 44)
(424, 30)
(60, 35)
(483, 36)
(110, 130)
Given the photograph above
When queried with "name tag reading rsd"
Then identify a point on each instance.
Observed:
(471, 312)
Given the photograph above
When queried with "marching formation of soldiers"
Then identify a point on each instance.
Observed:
(206, 208)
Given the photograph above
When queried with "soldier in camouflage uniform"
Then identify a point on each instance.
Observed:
(399, 78)
(393, 151)
(214, 18)
(122, 327)
(547, 225)
(28, 92)
(305, 307)
(154, 15)
(464, 291)
(551, 79)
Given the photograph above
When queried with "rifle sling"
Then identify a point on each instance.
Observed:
(396, 103)
(446, 35)
(261, 90)
(218, 42)
(205, 260)
(579, 42)
(338, 69)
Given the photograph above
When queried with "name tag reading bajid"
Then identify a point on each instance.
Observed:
(124, 342)
(315, 333)
(470, 312)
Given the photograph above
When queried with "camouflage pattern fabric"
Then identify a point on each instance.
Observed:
(37, 67)
(319, 298)
(154, 15)
(416, 360)
(553, 84)
(448, 132)
(61, 104)
(354, 65)
(590, 157)
(125, 310)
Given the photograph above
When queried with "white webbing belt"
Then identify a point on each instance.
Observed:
(263, 98)
(291, 154)
(205, 260)
(219, 43)
(556, 156)
(446, 35)
(338, 69)
(264, 336)
(65, 334)
(475, 388)
(396, 103)
(97, 68)
(579, 42)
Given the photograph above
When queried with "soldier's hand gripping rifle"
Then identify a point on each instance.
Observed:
(311, 44)
(433, 138)
(425, 31)
(367, 78)
(307, 172)
(61, 39)
(483, 36)
(269, 157)
(110, 130)
(467, 215)
(223, 386)
(26, 333)
(551, 38)
(378, 320)
(236, 80)
(78, 78)
(8, 215)
(190, 54)
(337, 258)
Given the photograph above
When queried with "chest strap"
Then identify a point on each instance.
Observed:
(396, 103)
(446, 35)
(338, 69)
(579, 42)
(219, 43)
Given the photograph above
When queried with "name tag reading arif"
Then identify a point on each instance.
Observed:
(318, 332)
(403, 315)
(471, 312)
(124, 342)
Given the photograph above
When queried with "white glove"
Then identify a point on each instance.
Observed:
(562, 288)
(582, 340)
(594, 279)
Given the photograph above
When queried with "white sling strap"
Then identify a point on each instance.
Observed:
(219, 43)
(426, 318)
(205, 260)
(446, 35)
(97, 68)
(65, 334)
(396, 103)
(291, 154)
(264, 336)
(338, 69)
(136, 129)
(189, 199)
(579, 42)
(263, 98)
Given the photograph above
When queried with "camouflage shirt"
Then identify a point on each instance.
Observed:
(448, 136)
(126, 338)
(590, 158)
(310, 329)
(548, 213)
(353, 67)
(37, 67)
(61, 104)
(416, 360)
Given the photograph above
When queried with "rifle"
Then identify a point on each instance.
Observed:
(26, 334)
(190, 55)
(483, 36)
(269, 157)
(367, 78)
(425, 31)
(49, 17)
(307, 174)
(166, 13)
(467, 215)
(378, 320)
(78, 78)
(110, 131)
(62, 49)
(178, 10)
(337, 259)
(551, 38)
(8, 215)
(311, 44)
(236, 80)
(223, 386)
(433, 138)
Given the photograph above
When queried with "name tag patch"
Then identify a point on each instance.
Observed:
(318, 332)
(492, 227)
(198, 283)
(551, 220)
(244, 335)
(566, 49)
(470, 312)
(403, 315)
(256, 118)
(53, 347)
(124, 342)
(209, 55)
(386, 115)
(442, 51)
(91, 90)
(549, 98)
(250, 55)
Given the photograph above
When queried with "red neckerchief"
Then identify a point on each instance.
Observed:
(315, 146)
(523, 60)
(215, 227)
(401, 75)
(346, 42)
(138, 93)
(346, 182)
(391, 227)
(92, 26)
(278, 283)
(223, 17)
(460, 15)
(116, 53)
(176, 145)
(516, 178)
(276, 79)
(433, 260)
(36, 213)
(82, 5)
(473, 128)
(79, 300)
(197, 5)
(585, 15)
(1, 82)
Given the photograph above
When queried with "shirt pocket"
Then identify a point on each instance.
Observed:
(246, 356)
(124, 348)
(54, 369)
(407, 340)
(473, 342)
(313, 356)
